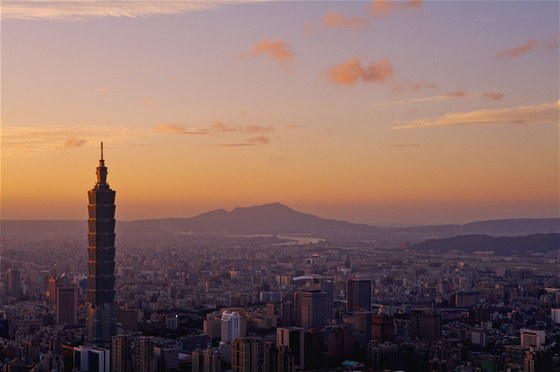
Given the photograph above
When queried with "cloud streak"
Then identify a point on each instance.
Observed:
(460, 94)
(79, 10)
(382, 7)
(352, 71)
(279, 50)
(529, 46)
(339, 20)
(544, 113)
(26, 142)
(217, 127)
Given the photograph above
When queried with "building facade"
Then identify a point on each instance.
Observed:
(101, 321)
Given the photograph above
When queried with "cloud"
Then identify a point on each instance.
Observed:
(382, 7)
(296, 126)
(517, 51)
(26, 142)
(179, 129)
(278, 50)
(74, 142)
(411, 86)
(495, 96)
(351, 71)
(531, 45)
(339, 20)
(544, 113)
(460, 94)
(220, 127)
(217, 127)
(259, 140)
(78, 10)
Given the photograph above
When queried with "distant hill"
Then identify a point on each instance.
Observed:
(503, 246)
(274, 218)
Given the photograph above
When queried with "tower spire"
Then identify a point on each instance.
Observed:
(102, 170)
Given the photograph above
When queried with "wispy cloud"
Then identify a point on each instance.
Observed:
(258, 140)
(352, 71)
(460, 94)
(25, 142)
(217, 127)
(544, 113)
(74, 142)
(78, 10)
(411, 86)
(382, 7)
(278, 50)
(531, 45)
(339, 20)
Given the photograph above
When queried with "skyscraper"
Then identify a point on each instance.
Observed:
(66, 305)
(101, 322)
(358, 295)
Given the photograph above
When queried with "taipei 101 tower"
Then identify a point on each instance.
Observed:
(101, 322)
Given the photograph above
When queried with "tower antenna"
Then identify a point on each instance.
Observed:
(101, 150)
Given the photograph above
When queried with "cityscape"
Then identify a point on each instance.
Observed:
(271, 196)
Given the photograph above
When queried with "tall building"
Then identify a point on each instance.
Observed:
(293, 338)
(425, 325)
(383, 328)
(207, 360)
(311, 308)
(66, 305)
(101, 323)
(358, 295)
(53, 283)
(231, 325)
(121, 353)
(14, 282)
(143, 356)
(245, 355)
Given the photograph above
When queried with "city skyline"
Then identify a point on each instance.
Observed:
(373, 112)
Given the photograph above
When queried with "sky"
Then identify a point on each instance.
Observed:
(411, 112)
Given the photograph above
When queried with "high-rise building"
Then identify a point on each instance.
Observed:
(53, 283)
(207, 360)
(311, 308)
(358, 295)
(101, 323)
(383, 328)
(532, 337)
(121, 353)
(143, 356)
(66, 305)
(230, 325)
(293, 338)
(14, 282)
(425, 325)
(245, 355)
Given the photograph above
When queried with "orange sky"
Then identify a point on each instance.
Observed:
(393, 112)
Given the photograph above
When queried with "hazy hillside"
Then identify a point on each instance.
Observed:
(505, 246)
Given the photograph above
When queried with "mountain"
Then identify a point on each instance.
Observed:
(503, 246)
(274, 218)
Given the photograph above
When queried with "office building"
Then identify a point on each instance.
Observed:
(66, 305)
(358, 295)
(293, 338)
(310, 308)
(532, 338)
(101, 321)
(14, 283)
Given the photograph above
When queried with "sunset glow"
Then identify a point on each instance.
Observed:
(374, 112)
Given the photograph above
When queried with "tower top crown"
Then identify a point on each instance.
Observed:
(102, 171)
